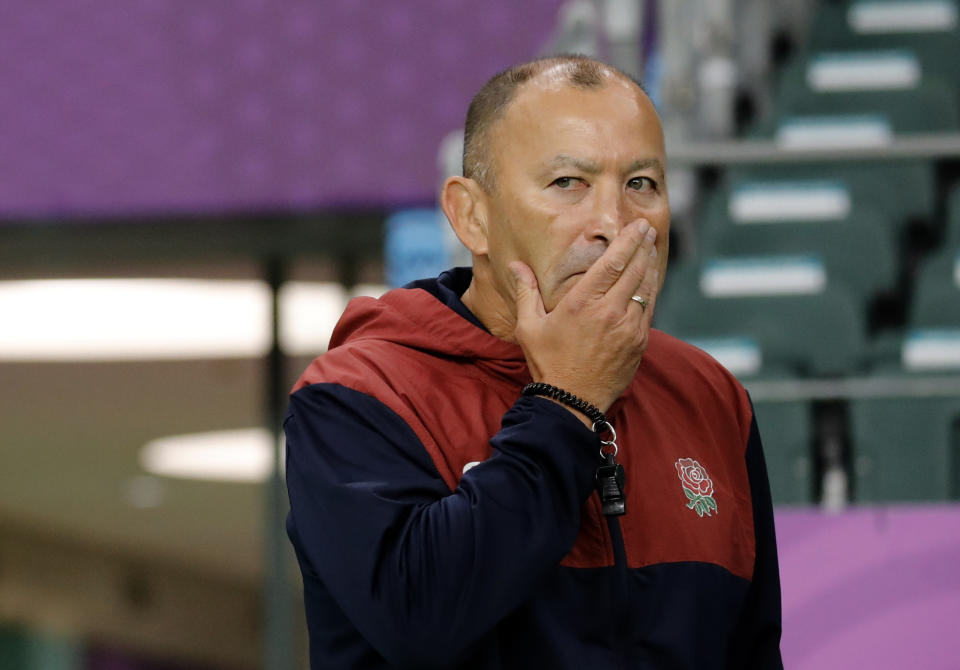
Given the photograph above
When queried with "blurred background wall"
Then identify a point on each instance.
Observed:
(190, 193)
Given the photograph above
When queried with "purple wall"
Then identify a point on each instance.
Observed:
(871, 588)
(166, 105)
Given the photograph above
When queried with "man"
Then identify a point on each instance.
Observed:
(445, 517)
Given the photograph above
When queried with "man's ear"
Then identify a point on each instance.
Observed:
(465, 205)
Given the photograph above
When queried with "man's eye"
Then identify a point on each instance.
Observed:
(641, 184)
(565, 182)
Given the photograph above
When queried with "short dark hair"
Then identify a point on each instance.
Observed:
(492, 100)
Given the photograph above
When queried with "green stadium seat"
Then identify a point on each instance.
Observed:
(863, 119)
(930, 343)
(841, 26)
(860, 249)
(915, 96)
(953, 218)
(785, 428)
(936, 299)
(906, 449)
(798, 334)
(932, 106)
(902, 189)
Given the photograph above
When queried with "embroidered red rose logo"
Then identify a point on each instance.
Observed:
(697, 485)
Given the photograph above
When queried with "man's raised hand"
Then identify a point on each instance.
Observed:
(591, 343)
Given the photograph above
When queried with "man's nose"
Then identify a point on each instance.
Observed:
(609, 214)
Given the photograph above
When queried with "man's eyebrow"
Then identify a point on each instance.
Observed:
(646, 164)
(566, 160)
(592, 168)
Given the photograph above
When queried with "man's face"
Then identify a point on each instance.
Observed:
(572, 167)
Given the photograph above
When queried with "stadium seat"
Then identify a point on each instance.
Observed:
(906, 448)
(819, 77)
(952, 237)
(932, 106)
(831, 237)
(785, 428)
(740, 354)
(818, 333)
(902, 189)
(934, 35)
(936, 299)
(932, 341)
(867, 119)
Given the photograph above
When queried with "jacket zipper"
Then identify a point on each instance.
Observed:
(620, 598)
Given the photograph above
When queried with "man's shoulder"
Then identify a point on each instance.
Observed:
(374, 334)
(358, 362)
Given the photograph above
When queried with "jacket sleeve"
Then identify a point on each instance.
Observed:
(419, 570)
(756, 640)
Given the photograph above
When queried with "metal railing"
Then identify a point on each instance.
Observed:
(933, 146)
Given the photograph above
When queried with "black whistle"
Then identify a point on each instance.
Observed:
(610, 479)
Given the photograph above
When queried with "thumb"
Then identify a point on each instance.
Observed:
(527, 294)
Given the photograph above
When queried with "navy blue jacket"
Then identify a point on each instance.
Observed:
(441, 520)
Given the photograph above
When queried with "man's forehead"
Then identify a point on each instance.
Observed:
(540, 96)
(549, 101)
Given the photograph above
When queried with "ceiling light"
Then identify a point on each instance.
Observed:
(150, 319)
(244, 455)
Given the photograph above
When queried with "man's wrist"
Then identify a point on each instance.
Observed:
(589, 414)
(583, 418)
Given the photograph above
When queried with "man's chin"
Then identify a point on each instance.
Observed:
(556, 295)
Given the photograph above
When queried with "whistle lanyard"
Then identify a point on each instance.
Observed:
(610, 477)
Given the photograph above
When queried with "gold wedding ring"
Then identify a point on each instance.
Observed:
(639, 299)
